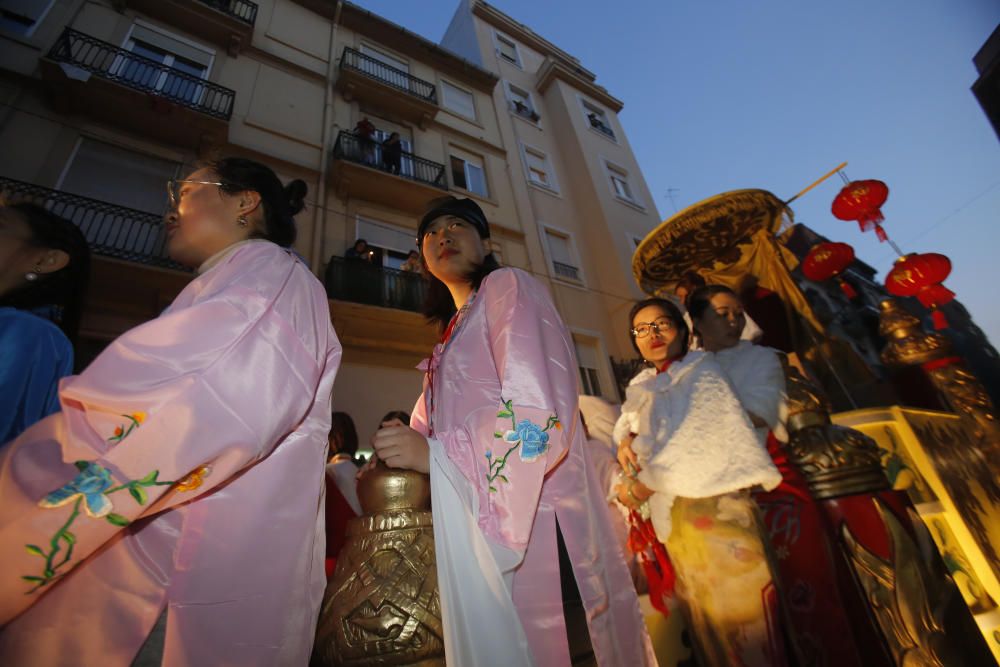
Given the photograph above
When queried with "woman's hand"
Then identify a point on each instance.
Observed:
(402, 447)
(626, 457)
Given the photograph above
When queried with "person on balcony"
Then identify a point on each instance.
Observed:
(497, 427)
(412, 263)
(365, 130)
(689, 456)
(172, 512)
(44, 266)
(360, 252)
(392, 153)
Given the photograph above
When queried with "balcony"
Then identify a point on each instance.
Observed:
(112, 231)
(227, 23)
(598, 124)
(393, 327)
(89, 76)
(358, 172)
(374, 83)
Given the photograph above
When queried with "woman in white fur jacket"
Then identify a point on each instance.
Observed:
(690, 456)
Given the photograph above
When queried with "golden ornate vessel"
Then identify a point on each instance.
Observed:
(382, 607)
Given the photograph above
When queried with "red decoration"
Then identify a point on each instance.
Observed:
(862, 201)
(828, 260)
(921, 275)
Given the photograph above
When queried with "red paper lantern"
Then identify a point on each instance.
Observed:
(921, 275)
(862, 201)
(828, 260)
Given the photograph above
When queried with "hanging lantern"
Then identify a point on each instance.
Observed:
(921, 275)
(828, 260)
(862, 201)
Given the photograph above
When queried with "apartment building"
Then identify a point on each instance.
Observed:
(104, 100)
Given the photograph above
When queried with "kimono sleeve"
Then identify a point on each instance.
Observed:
(176, 406)
(537, 412)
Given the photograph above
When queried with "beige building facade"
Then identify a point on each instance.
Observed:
(104, 100)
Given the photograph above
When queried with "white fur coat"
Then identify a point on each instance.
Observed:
(755, 373)
(693, 437)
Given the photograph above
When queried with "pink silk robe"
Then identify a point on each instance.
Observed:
(505, 409)
(227, 393)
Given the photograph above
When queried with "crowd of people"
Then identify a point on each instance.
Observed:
(163, 506)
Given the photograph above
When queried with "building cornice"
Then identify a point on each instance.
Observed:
(553, 69)
(527, 36)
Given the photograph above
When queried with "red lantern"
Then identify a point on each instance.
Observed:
(862, 201)
(921, 275)
(829, 260)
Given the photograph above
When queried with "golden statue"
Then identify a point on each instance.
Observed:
(382, 607)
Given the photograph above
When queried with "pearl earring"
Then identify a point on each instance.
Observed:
(31, 276)
(242, 221)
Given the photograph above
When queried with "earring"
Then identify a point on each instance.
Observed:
(31, 276)
(242, 221)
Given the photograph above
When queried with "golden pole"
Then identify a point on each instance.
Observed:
(818, 181)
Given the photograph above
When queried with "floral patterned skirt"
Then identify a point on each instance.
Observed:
(724, 581)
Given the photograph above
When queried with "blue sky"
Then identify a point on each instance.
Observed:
(772, 94)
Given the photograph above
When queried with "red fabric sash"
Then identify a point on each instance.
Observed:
(652, 555)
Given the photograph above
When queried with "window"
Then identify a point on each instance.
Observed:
(562, 256)
(388, 69)
(189, 62)
(521, 103)
(587, 359)
(391, 244)
(620, 184)
(460, 101)
(507, 49)
(23, 16)
(597, 119)
(467, 173)
(538, 167)
(119, 176)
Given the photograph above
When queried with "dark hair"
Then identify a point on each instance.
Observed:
(439, 305)
(356, 242)
(690, 281)
(342, 427)
(673, 314)
(395, 414)
(280, 203)
(699, 300)
(62, 290)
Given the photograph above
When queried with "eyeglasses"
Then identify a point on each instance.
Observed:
(174, 188)
(662, 324)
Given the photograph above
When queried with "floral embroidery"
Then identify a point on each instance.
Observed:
(121, 432)
(194, 480)
(89, 489)
(532, 439)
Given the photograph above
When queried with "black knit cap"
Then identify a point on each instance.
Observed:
(466, 209)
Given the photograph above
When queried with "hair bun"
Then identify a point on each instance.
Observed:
(295, 193)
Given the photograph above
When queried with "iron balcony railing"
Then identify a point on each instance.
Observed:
(244, 10)
(111, 230)
(390, 76)
(566, 270)
(129, 69)
(361, 150)
(358, 281)
(598, 124)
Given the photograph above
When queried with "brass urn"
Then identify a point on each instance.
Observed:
(382, 607)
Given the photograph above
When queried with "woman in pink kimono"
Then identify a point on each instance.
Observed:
(174, 506)
(498, 429)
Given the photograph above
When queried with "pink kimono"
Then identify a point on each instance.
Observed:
(504, 414)
(185, 473)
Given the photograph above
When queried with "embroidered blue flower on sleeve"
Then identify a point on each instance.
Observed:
(529, 438)
(90, 484)
(534, 441)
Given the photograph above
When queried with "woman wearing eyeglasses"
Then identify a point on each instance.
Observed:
(171, 513)
(689, 456)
